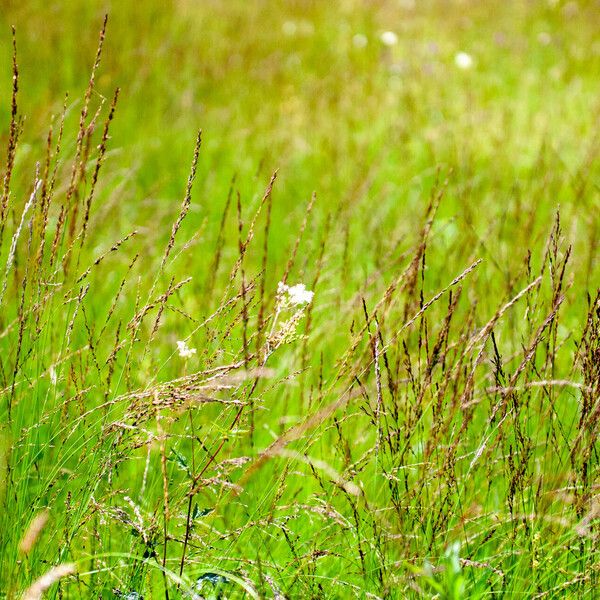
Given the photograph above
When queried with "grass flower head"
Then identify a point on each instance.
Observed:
(295, 295)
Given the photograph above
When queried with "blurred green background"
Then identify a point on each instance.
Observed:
(367, 103)
(309, 88)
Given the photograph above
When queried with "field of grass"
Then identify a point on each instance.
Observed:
(299, 299)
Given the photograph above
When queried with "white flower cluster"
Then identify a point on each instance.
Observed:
(184, 350)
(295, 295)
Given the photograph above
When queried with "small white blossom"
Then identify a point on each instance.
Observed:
(463, 61)
(291, 299)
(296, 295)
(389, 38)
(300, 295)
(360, 40)
(184, 350)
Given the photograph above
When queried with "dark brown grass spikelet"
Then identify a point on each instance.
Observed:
(112, 249)
(110, 362)
(251, 231)
(242, 251)
(47, 191)
(419, 255)
(585, 445)
(136, 321)
(292, 258)
(113, 306)
(260, 323)
(13, 136)
(101, 153)
(79, 163)
(185, 205)
(159, 313)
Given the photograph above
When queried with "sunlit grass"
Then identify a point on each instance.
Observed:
(355, 355)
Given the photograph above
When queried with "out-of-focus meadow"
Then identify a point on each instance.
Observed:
(174, 424)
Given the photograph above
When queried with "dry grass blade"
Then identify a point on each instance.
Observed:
(33, 532)
(13, 246)
(43, 584)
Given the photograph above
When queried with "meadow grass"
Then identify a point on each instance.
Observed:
(295, 309)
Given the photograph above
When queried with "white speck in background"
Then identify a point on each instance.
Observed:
(360, 40)
(463, 61)
(389, 38)
(289, 28)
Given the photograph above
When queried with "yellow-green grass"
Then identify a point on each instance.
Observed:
(427, 425)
